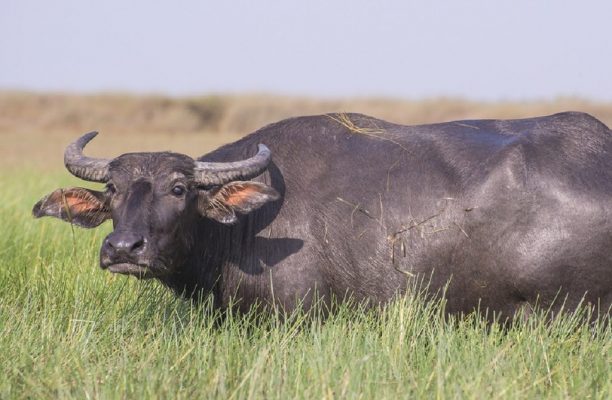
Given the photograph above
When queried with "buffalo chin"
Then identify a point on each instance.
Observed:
(139, 271)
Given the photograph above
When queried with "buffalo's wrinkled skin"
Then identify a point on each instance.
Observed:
(511, 213)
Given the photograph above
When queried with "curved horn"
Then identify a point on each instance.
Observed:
(218, 173)
(87, 168)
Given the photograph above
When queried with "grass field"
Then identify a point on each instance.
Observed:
(71, 330)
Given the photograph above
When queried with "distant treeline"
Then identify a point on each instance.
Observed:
(119, 113)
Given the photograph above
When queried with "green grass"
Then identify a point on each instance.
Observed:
(71, 330)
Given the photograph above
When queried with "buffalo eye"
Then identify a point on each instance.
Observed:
(178, 190)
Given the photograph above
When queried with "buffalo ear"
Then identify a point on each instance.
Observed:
(79, 206)
(238, 196)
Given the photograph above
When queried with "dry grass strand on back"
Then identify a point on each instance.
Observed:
(376, 132)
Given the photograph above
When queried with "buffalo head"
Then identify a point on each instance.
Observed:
(154, 199)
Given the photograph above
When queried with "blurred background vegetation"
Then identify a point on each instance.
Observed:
(35, 127)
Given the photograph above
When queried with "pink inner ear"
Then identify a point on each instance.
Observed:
(79, 206)
(76, 200)
(239, 194)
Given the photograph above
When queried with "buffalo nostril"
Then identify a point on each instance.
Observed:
(138, 245)
(125, 243)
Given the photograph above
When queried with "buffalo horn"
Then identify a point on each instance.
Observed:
(87, 168)
(218, 173)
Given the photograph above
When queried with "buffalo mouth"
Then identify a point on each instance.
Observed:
(137, 270)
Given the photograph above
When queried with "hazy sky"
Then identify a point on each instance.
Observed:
(479, 49)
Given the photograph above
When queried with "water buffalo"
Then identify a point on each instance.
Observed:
(509, 213)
